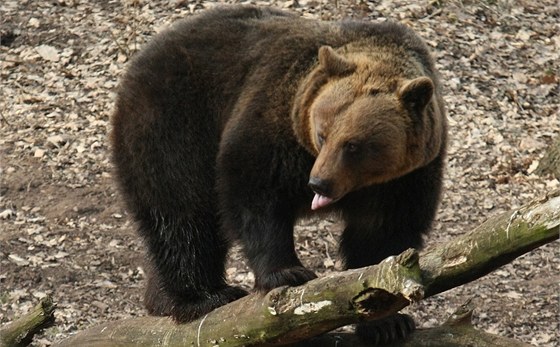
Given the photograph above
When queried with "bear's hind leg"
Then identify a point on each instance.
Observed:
(395, 327)
(186, 279)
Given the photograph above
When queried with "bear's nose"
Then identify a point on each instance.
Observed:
(320, 186)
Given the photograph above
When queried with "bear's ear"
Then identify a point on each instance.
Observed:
(417, 93)
(333, 63)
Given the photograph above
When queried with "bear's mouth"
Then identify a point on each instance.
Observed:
(320, 201)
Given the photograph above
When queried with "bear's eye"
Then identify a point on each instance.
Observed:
(374, 91)
(320, 139)
(352, 147)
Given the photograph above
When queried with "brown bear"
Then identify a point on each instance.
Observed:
(234, 123)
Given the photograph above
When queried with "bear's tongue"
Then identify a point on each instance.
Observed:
(320, 201)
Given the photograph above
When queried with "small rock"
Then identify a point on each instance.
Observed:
(48, 52)
(39, 153)
(34, 22)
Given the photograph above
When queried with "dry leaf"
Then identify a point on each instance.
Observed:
(499, 63)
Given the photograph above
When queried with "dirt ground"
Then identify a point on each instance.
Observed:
(65, 233)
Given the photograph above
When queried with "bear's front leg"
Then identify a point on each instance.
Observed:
(265, 231)
(290, 276)
(261, 185)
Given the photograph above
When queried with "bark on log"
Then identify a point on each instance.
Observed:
(288, 315)
(550, 163)
(21, 331)
(491, 245)
(284, 315)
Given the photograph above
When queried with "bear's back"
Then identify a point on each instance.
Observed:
(208, 62)
(205, 60)
(224, 45)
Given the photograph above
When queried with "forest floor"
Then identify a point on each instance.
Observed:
(63, 228)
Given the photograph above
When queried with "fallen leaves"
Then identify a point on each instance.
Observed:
(63, 231)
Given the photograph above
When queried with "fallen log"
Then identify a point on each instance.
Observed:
(294, 315)
(20, 332)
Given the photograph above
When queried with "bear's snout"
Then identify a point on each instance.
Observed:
(320, 186)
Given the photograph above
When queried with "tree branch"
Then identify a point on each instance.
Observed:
(491, 245)
(287, 315)
(21, 331)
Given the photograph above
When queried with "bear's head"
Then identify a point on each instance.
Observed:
(368, 123)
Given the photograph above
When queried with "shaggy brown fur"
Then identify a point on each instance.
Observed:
(225, 121)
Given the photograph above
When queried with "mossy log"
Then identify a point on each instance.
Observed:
(20, 332)
(292, 315)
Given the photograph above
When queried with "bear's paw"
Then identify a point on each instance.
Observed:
(205, 303)
(386, 330)
(293, 276)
